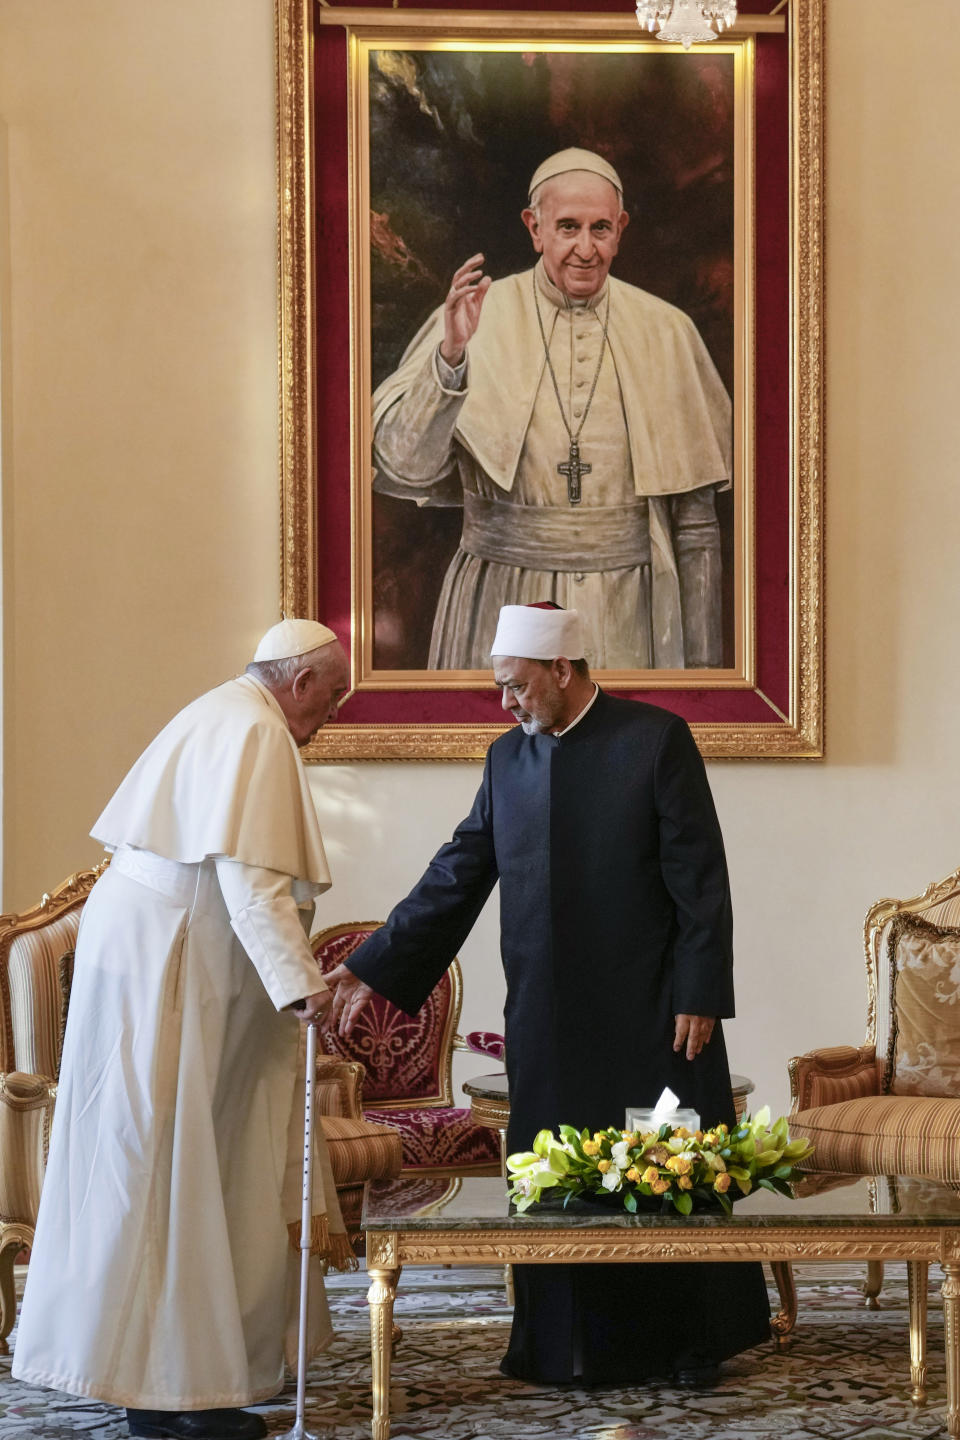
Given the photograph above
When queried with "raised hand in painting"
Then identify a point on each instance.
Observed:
(461, 310)
(349, 998)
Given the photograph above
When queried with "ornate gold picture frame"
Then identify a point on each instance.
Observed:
(335, 64)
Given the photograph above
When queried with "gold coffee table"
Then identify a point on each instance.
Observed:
(843, 1219)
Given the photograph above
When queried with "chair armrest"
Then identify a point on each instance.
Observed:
(339, 1087)
(26, 1110)
(835, 1073)
(481, 1042)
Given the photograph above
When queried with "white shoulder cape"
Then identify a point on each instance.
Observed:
(224, 777)
(677, 410)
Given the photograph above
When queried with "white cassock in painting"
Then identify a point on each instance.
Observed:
(583, 425)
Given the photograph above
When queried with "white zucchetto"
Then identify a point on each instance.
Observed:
(531, 633)
(575, 159)
(293, 637)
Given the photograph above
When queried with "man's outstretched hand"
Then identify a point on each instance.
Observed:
(349, 998)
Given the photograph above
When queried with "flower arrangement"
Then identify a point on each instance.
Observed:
(670, 1165)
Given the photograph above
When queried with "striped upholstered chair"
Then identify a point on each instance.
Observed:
(891, 1106)
(36, 968)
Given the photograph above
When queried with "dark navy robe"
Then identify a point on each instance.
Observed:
(615, 917)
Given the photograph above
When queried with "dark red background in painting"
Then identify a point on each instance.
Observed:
(772, 410)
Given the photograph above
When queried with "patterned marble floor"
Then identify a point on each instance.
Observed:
(845, 1377)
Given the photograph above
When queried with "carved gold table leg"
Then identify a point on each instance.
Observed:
(785, 1319)
(950, 1290)
(380, 1297)
(917, 1290)
(873, 1284)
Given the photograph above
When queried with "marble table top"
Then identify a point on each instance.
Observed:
(820, 1201)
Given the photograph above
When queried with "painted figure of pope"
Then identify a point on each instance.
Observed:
(582, 425)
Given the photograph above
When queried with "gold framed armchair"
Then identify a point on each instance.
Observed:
(36, 950)
(891, 1106)
(407, 1060)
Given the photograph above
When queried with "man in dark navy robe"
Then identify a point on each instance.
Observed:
(596, 817)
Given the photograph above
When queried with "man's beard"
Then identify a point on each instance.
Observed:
(537, 727)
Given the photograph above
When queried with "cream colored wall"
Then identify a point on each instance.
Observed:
(143, 540)
(143, 543)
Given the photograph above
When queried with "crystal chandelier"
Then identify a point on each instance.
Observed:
(688, 22)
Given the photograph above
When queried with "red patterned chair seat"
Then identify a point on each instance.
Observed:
(442, 1138)
(407, 1062)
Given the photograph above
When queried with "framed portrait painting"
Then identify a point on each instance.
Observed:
(551, 306)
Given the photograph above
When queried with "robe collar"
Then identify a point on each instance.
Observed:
(560, 299)
(587, 727)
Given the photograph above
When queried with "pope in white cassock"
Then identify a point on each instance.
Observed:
(163, 1277)
(583, 427)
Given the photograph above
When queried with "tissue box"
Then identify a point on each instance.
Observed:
(643, 1119)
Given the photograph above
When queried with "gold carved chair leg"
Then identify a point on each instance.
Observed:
(917, 1290)
(786, 1317)
(873, 1284)
(13, 1238)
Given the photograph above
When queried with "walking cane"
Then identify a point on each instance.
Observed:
(306, 1225)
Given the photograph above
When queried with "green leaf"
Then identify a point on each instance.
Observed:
(558, 1160)
(683, 1202)
(572, 1136)
(630, 1202)
(783, 1172)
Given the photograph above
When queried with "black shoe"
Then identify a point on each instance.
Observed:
(196, 1424)
(696, 1372)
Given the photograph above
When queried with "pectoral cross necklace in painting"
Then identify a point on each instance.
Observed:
(573, 467)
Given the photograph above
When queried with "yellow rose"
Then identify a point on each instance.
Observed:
(721, 1182)
(598, 1135)
(633, 1173)
(680, 1164)
(685, 1182)
(629, 1136)
(681, 1132)
(699, 1137)
(590, 1147)
(650, 1175)
(660, 1187)
(603, 1166)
